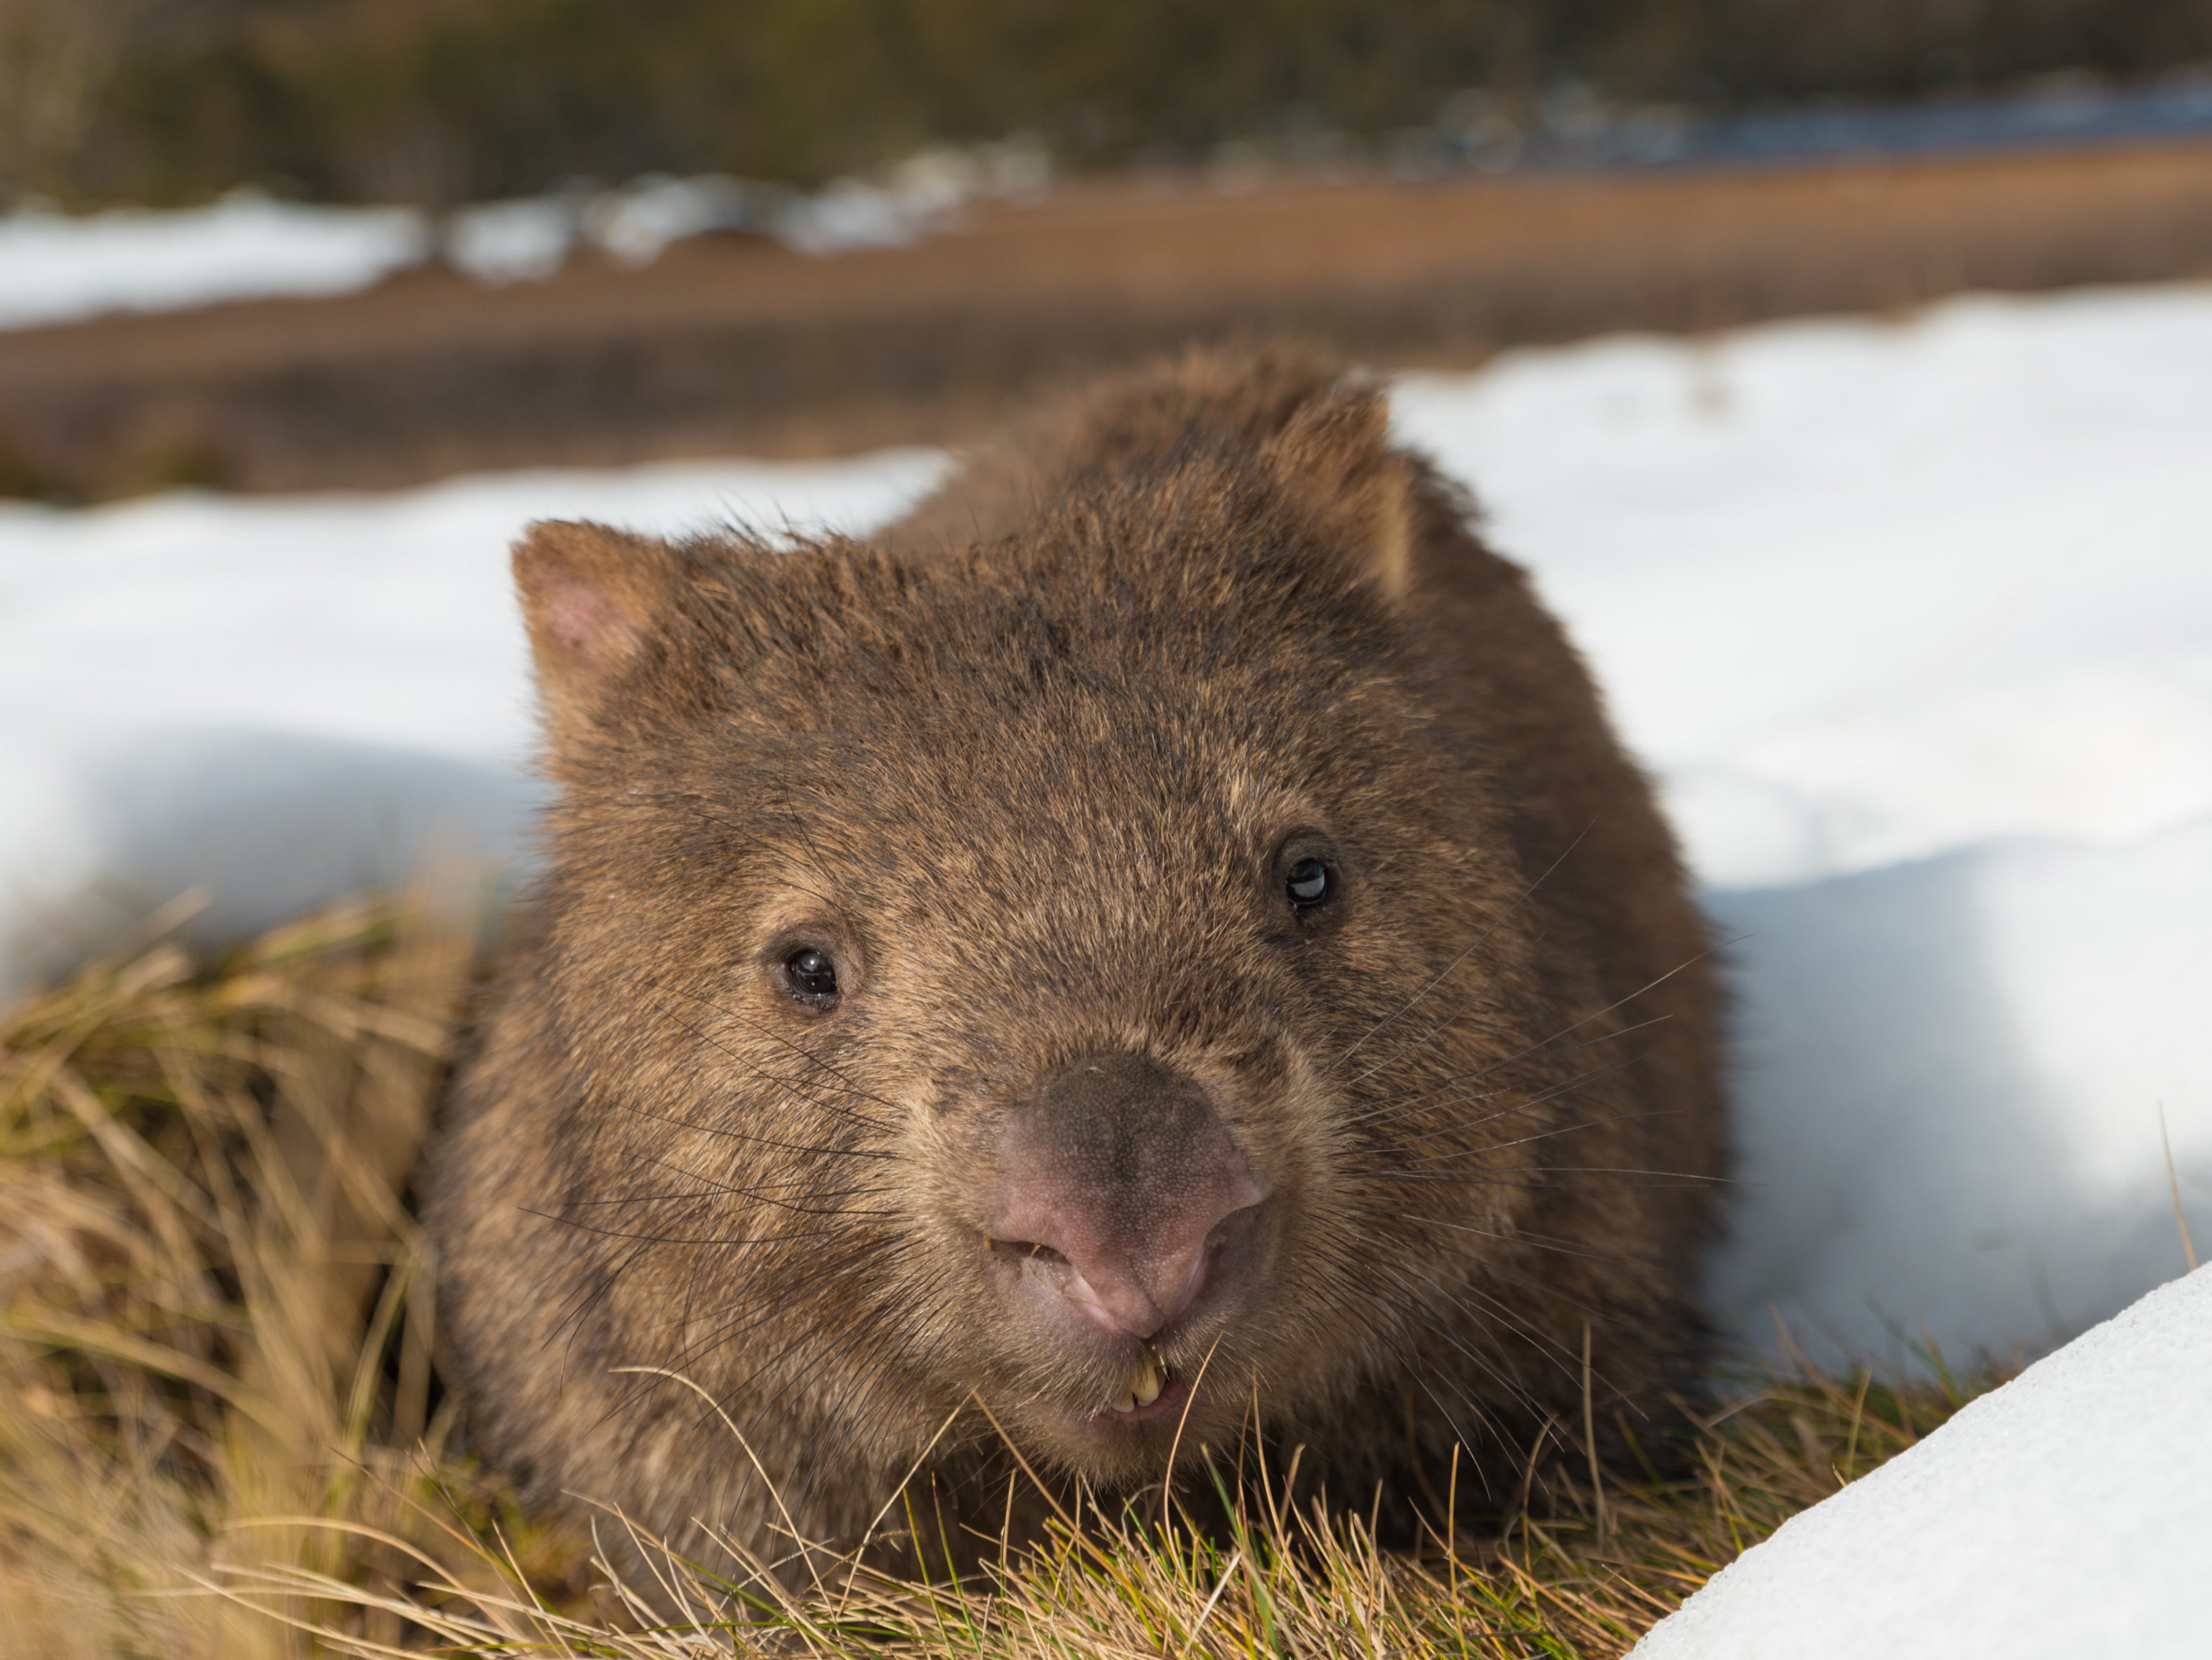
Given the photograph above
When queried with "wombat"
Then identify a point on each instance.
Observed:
(1157, 949)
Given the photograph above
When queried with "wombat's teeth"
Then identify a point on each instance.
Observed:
(1146, 1382)
(1149, 1379)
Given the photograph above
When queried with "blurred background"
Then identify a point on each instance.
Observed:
(581, 231)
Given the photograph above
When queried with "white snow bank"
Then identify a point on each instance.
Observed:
(1949, 1076)
(1914, 621)
(2068, 1514)
(1861, 591)
(528, 239)
(57, 269)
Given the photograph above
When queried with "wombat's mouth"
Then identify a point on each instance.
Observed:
(1168, 1399)
(1147, 1378)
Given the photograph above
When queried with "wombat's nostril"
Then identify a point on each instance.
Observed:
(1026, 1251)
(1134, 1287)
(1122, 1197)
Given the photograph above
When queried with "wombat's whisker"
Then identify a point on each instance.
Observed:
(809, 1200)
(672, 1239)
(707, 1189)
(1519, 1107)
(824, 1269)
(1352, 1303)
(1544, 1042)
(820, 1066)
(842, 1429)
(822, 1149)
(802, 1178)
(1444, 973)
(1662, 1179)
(704, 1351)
(1536, 1241)
(777, 1039)
(1489, 1149)
(693, 1196)
(1467, 1403)
(1515, 1104)
(806, 834)
(1401, 1105)
(1515, 1391)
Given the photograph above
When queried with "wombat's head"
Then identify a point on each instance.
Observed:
(993, 981)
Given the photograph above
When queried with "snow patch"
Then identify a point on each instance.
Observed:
(1949, 1078)
(521, 241)
(1862, 591)
(57, 269)
(2064, 1514)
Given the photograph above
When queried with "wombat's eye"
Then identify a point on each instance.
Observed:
(811, 976)
(1308, 884)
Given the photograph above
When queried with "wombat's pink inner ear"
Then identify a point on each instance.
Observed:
(1334, 459)
(588, 595)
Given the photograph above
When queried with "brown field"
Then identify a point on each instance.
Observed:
(735, 344)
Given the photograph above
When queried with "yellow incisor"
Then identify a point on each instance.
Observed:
(1149, 1378)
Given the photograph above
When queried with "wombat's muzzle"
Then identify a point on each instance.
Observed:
(1123, 1199)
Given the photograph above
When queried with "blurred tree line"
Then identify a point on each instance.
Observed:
(440, 100)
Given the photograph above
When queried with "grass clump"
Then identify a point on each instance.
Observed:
(220, 1431)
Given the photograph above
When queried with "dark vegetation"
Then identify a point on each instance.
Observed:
(439, 101)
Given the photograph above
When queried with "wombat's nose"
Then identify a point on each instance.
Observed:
(1121, 1191)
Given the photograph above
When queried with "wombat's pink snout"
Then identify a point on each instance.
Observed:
(1123, 1199)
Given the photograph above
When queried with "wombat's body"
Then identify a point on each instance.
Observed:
(1172, 904)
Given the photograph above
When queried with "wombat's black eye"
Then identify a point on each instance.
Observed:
(1308, 884)
(810, 975)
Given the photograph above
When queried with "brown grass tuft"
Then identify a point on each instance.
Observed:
(220, 1434)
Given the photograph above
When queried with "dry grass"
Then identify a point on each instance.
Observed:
(221, 1434)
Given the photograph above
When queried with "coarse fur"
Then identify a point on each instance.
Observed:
(1028, 767)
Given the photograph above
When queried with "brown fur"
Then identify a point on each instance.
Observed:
(1023, 765)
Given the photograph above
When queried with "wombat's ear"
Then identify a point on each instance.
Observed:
(590, 596)
(1334, 459)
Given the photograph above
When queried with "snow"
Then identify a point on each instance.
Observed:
(1950, 1075)
(520, 241)
(1922, 584)
(1911, 619)
(636, 225)
(2069, 1513)
(55, 268)
(922, 194)
(529, 239)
